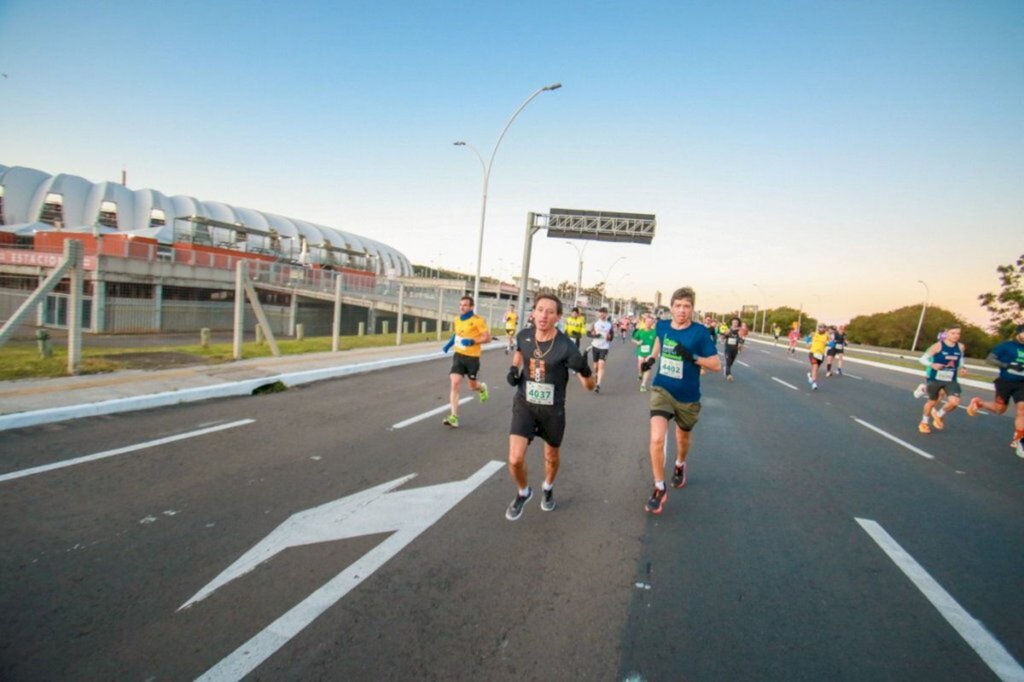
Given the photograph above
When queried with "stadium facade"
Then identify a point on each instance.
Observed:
(167, 263)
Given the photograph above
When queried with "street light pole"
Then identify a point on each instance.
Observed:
(607, 276)
(579, 270)
(487, 177)
(920, 320)
(764, 313)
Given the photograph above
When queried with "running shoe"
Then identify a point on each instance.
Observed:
(839, 371)
(809, 380)
(515, 508)
(657, 501)
(1018, 447)
(643, 389)
(484, 395)
(451, 420)
(828, 373)
(728, 377)
(814, 385)
(920, 391)
(547, 500)
(597, 388)
(937, 421)
(973, 407)
(923, 427)
(679, 476)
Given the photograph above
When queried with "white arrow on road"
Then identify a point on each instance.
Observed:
(408, 513)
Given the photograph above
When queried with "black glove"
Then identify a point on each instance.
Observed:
(648, 363)
(1015, 366)
(585, 371)
(513, 376)
(685, 354)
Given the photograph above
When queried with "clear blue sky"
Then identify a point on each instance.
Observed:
(834, 153)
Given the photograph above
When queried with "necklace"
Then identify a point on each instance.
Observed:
(536, 350)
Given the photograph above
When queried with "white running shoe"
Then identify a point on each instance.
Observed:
(920, 391)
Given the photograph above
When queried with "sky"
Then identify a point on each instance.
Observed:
(829, 155)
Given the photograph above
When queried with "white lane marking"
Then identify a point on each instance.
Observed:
(431, 413)
(787, 385)
(766, 352)
(799, 362)
(407, 512)
(974, 633)
(894, 439)
(743, 363)
(121, 451)
(852, 376)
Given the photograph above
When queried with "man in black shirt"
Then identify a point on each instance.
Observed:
(539, 373)
(732, 344)
(836, 350)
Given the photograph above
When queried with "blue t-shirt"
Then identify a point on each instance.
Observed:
(1010, 352)
(677, 376)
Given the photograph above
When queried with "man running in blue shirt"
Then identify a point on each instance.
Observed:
(1009, 357)
(683, 348)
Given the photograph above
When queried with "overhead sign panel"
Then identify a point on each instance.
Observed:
(604, 226)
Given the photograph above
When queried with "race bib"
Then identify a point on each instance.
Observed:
(671, 367)
(819, 357)
(730, 341)
(839, 346)
(943, 375)
(645, 348)
(540, 394)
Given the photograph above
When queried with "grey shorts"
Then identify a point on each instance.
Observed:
(934, 387)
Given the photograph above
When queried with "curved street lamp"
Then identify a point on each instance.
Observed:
(487, 176)
(920, 320)
(764, 313)
(579, 270)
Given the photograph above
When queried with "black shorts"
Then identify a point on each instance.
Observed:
(832, 352)
(598, 354)
(1007, 390)
(934, 387)
(814, 360)
(546, 421)
(465, 365)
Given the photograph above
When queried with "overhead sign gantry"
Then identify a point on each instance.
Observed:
(565, 223)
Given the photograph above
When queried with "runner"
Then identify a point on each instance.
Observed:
(817, 355)
(538, 408)
(944, 360)
(776, 332)
(1009, 357)
(602, 334)
(682, 346)
(644, 337)
(836, 351)
(575, 326)
(794, 336)
(470, 332)
(624, 324)
(511, 320)
(732, 344)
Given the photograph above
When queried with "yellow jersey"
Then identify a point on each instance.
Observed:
(511, 318)
(819, 342)
(472, 328)
(575, 325)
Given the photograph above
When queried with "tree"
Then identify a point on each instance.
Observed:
(895, 329)
(1006, 307)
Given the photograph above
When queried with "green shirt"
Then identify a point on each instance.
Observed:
(645, 341)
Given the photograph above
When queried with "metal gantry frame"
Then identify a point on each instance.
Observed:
(602, 226)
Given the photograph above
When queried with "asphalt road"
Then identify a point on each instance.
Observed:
(768, 565)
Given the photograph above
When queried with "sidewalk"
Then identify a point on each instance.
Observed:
(29, 402)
